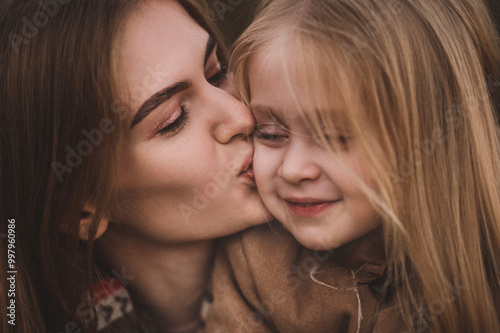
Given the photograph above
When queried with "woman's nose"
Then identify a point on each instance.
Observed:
(298, 164)
(235, 120)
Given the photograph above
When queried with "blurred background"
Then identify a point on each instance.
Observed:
(233, 16)
(495, 9)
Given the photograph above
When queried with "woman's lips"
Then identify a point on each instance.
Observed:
(247, 169)
(309, 207)
(248, 174)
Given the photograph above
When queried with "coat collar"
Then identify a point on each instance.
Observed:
(362, 259)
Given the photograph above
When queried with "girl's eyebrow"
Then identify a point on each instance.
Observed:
(268, 110)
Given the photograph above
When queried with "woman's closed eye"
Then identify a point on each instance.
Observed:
(175, 123)
(215, 74)
(218, 78)
(215, 71)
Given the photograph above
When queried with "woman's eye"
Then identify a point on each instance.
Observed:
(219, 77)
(215, 71)
(177, 124)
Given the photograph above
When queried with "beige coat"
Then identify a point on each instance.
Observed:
(265, 281)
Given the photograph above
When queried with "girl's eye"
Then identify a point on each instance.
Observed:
(177, 124)
(343, 140)
(271, 135)
(334, 140)
(219, 77)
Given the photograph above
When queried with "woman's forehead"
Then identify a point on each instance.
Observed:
(161, 44)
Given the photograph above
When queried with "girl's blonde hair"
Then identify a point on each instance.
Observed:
(415, 78)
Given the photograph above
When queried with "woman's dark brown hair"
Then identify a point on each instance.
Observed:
(60, 137)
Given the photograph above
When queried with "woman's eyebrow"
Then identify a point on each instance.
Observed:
(163, 95)
(157, 99)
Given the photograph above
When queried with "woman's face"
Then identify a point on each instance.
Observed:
(184, 170)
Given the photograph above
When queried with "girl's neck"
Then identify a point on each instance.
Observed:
(167, 281)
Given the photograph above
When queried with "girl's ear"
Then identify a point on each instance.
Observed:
(86, 220)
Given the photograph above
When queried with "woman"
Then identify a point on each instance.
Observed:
(116, 127)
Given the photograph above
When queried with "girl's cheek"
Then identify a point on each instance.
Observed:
(259, 164)
(265, 163)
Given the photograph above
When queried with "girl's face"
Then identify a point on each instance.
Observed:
(184, 169)
(311, 191)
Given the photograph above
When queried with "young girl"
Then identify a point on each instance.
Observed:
(376, 143)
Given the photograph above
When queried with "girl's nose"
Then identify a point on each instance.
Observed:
(298, 164)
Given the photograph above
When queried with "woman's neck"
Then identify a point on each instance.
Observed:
(167, 282)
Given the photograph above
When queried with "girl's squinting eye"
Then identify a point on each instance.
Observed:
(343, 140)
(272, 135)
(177, 124)
(333, 139)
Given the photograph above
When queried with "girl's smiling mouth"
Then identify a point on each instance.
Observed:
(309, 207)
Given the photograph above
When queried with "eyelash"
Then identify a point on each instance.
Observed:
(269, 137)
(177, 125)
(218, 79)
(183, 119)
(340, 141)
(279, 137)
